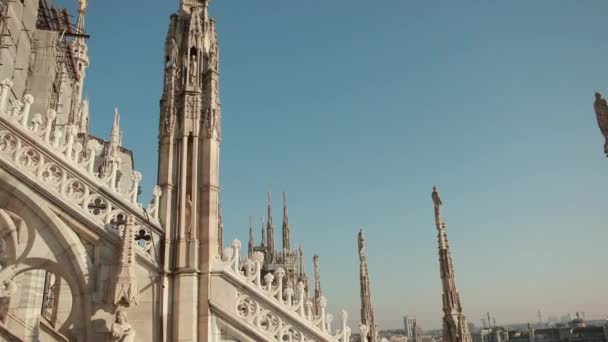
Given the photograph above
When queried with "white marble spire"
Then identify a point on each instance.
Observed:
(455, 328)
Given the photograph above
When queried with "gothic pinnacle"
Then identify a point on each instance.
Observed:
(367, 310)
(455, 328)
(116, 134)
(318, 293)
(251, 239)
(82, 10)
(270, 232)
(123, 285)
(301, 254)
(263, 244)
(286, 228)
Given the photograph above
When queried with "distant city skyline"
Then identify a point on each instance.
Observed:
(357, 109)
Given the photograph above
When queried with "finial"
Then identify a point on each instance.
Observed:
(82, 10)
(116, 135)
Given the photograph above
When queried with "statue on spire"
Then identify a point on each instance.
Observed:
(601, 112)
(82, 5)
(436, 199)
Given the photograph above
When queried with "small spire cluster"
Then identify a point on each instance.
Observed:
(291, 260)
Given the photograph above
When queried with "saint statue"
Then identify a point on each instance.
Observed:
(213, 57)
(121, 329)
(83, 116)
(193, 69)
(436, 199)
(601, 112)
(188, 214)
(361, 243)
(82, 5)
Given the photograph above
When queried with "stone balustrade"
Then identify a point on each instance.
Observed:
(293, 302)
(61, 163)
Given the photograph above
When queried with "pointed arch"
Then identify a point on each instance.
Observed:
(26, 217)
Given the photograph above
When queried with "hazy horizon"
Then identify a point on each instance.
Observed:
(358, 108)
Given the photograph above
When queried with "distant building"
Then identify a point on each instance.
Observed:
(408, 326)
(496, 334)
(577, 330)
(398, 339)
(417, 332)
(519, 336)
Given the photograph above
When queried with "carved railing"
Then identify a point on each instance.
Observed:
(55, 160)
(293, 303)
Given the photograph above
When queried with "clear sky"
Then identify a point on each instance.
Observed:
(357, 108)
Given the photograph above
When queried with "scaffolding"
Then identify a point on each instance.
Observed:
(51, 18)
(3, 25)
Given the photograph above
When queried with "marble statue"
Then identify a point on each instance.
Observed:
(601, 112)
(436, 199)
(83, 116)
(193, 69)
(121, 329)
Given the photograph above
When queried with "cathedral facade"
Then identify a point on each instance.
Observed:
(80, 258)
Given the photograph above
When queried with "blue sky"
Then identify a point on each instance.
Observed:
(357, 108)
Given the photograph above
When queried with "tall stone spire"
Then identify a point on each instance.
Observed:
(301, 267)
(188, 172)
(79, 113)
(270, 229)
(302, 270)
(367, 310)
(455, 328)
(286, 228)
(251, 239)
(263, 243)
(318, 292)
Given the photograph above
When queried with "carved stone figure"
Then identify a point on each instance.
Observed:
(193, 69)
(213, 57)
(82, 5)
(601, 112)
(188, 214)
(172, 53)
(7, 289)
(436, 198)
(168, 123)
(83, 116)
(121, 330)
